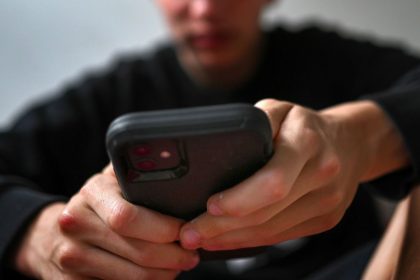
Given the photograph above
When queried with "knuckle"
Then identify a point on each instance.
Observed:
(86, 190)
(94, 184)
(275, 186)
(69, 256)
(121, 214)
(306, 127)
(331, 167)
(299, 113)
(277, 192)
(311, 138)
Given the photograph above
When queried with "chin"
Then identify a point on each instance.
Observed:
(215, 61)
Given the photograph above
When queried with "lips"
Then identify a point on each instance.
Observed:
(209, 40)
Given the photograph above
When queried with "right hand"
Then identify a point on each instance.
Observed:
(98, 234)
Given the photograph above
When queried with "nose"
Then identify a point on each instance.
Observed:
(205, 9)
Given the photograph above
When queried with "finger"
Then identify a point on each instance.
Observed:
(309, 206)
(276, 111)
(270, 184)
(207, 226)
(93, 231)
(94, 262)
(315, 174)
(103, 195)
(299, 140)
(238, 240)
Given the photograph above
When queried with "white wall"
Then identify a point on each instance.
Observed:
(44, 43)
(390, 19)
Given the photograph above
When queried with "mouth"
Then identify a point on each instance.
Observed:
(209, 41)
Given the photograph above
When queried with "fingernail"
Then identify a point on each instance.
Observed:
(214, 209)
(191, 239)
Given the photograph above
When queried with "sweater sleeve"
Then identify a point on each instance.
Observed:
(18, 206)
(385, 74)
(352, 69)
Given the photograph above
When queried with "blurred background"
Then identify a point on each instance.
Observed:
(46, 43)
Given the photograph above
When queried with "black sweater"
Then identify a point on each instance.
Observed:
(53, 147)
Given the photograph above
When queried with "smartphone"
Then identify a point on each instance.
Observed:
(173, 160)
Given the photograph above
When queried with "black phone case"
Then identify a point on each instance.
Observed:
(217, 147)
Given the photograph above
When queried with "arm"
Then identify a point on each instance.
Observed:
(383, 262)
(409, 261)
(322, 156)
(42, 147)
(397, 255)
(52, 149)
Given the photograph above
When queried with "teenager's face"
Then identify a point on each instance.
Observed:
(214, 33)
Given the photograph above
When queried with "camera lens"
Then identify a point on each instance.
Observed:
(142, 150)
(146, 165)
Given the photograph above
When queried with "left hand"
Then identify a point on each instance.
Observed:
(320, 158)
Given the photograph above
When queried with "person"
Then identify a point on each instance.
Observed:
(342, 113)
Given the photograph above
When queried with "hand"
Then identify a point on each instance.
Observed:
(319, 160)
(98, 234)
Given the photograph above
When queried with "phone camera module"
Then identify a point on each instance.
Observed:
(155, 155)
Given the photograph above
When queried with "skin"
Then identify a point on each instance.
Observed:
(408, 264)
(218, 42)
(384, 261)
(398, 256)
(99, 235)
(332, 150)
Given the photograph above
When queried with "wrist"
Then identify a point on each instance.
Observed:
(375, 137)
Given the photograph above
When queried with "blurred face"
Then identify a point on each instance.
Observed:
(214, 34)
